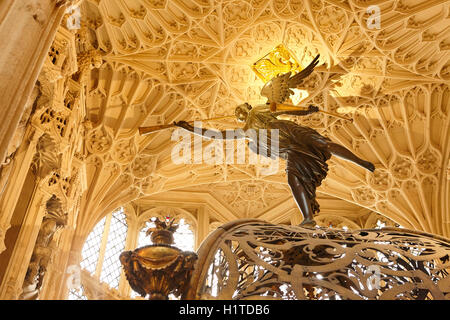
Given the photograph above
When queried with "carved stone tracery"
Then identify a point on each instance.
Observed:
(391, 99)
(154, 62)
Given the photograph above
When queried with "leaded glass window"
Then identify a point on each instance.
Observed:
(77, 294)
(108, 239)
(91, 248)
(101, 251)
(183, 238)
(115, 245)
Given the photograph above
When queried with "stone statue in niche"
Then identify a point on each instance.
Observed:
(304, 149)
(54, 219)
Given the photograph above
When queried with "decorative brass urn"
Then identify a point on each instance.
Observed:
(159, 269)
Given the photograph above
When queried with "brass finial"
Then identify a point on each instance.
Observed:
(163, 231)
(159, 269)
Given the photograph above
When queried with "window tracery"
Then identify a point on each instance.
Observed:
(92, 246)
(115, 245)
(103, 246)
(111, 236)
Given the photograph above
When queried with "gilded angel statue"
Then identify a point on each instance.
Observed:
(305, 150)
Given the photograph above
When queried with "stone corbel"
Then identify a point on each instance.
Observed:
(88, 57)
(87, 61)
(47, 157)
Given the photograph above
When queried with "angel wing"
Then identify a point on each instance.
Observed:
(279, 88)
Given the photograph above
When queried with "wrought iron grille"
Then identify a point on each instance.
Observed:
(259, 260)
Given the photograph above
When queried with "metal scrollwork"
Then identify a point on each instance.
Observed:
(259, 260)
(159, 269)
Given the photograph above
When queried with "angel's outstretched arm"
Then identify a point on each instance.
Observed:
(212, 134)
(304, 112)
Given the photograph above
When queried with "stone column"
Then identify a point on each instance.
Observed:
(202, 226)
(55, 284)
(130, 244)
(45, 160)
(27, 28)
(54, 219)
(16, 179)
(11, 286)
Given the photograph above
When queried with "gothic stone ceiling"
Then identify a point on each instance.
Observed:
(190, 59)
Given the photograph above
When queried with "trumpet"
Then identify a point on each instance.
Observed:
(151, 129)
(274, 107)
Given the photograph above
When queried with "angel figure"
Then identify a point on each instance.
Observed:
(304, 149)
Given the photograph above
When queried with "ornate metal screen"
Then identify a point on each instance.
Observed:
(253, 259)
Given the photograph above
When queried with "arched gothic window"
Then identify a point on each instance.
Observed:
(184, 238)
(115, 245)
(101, 251)
(109, 238)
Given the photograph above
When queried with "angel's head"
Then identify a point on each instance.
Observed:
(242, 111)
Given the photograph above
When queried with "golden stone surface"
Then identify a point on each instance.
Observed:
(279, 60)
(74, 133)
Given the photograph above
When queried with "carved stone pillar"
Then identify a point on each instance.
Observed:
(58, 272)
(203, 226)
(15, 181)
(15, 273)
(45, 159)
(27, 28)
(53, 220)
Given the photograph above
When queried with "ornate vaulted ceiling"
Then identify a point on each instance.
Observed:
(190, 59)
